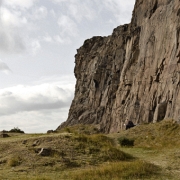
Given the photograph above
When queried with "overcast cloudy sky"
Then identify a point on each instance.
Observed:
(38, 41)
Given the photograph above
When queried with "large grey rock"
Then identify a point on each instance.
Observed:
(134, 73)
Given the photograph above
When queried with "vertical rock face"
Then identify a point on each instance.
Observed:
(134, 73)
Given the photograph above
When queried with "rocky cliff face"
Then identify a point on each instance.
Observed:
(134, 73)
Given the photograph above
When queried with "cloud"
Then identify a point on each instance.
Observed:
(80, 10)
(33, 98)
(67, 26)
(17, 27)
(10, 22)
(47, 38)
(11, 41)
(12, 18)
(20, 3)
(4, 68)
(62, 39)
(35, 121)
(40, 13)
(39, 107)
(122, 10)
(52, 12)
(34, 45)
(90, 10)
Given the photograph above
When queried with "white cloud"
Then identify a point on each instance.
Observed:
(20, 3)
(62, 39)
(34, 121)
(52, 12)
(11, 41)
(43, 105)
(11, 35)
(59, 1)
(40, 13)
(67, 26)
(33, 98)
(47, 38)
(80, 9)
(18, 27)
(35, 46)
(12, 18)
(121, 9)
(4, 68)
(10, 23)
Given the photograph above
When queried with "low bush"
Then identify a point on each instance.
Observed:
(16, 130)
(123, 141)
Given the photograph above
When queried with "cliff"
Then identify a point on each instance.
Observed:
(134, 73)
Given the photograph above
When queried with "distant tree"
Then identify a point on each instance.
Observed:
(16, 130)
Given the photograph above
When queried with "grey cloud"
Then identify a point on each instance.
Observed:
(40, 13)
(4, 67)
(35, 122)
(67, 26)
(11, 103)
(11, 41)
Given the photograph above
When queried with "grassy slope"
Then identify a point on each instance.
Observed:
(81, 153)
(158, 144)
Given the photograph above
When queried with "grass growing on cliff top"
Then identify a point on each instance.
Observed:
(164, 134)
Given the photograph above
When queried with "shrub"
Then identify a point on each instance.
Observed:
(16, 130)
(123, 141)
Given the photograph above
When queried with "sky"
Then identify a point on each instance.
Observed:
(38, 41)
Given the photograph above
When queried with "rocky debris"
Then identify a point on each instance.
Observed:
(134, 73)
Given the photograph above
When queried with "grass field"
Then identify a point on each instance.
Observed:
(81, 153)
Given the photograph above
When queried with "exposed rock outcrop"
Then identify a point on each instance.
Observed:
(134, 73)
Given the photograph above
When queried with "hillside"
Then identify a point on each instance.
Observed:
(81, 152)
(133, 73)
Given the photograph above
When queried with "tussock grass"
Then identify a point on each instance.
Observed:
(67, 151)
(81, 129)
(117, 171)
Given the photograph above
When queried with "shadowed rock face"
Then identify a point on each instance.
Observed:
(134, 73)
